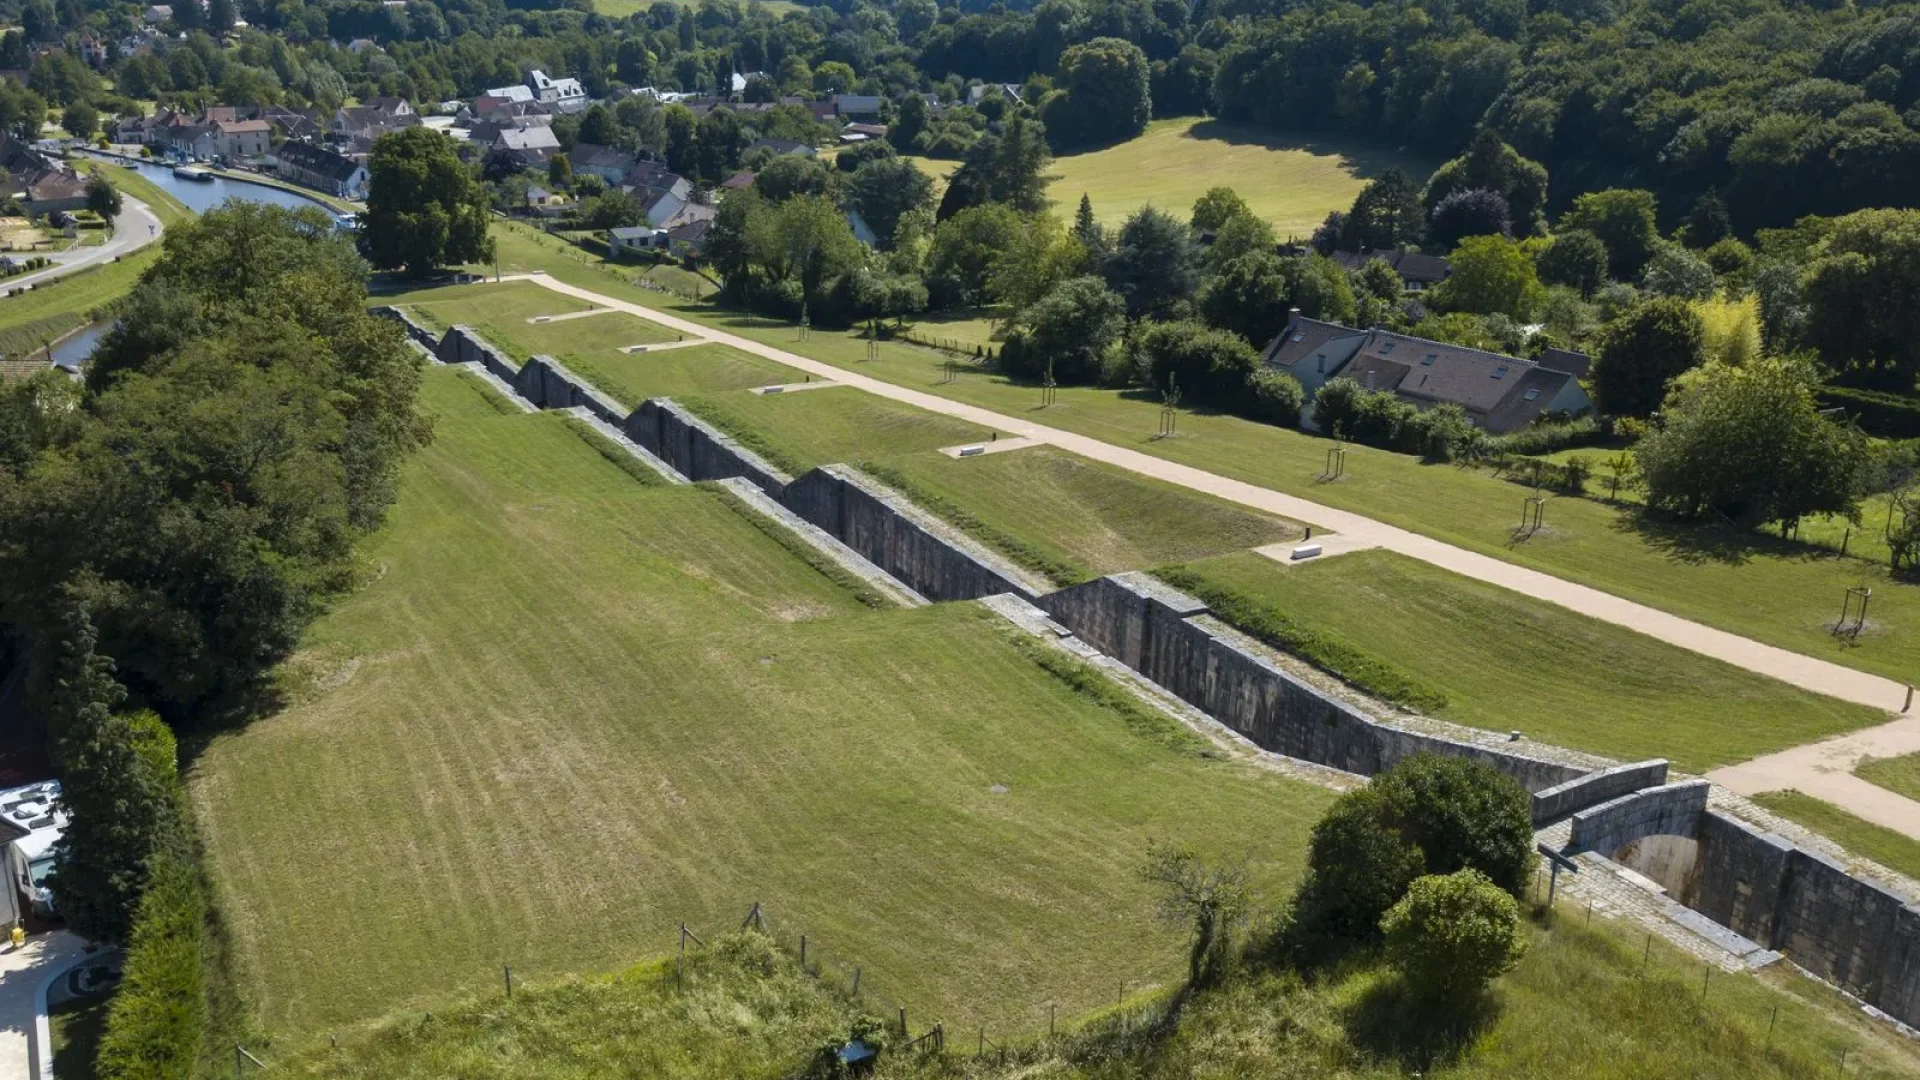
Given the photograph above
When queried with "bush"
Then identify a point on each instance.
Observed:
(1544, 436)
(1274, 397)
(154, 1024)
(1887, 415)
(1344, 409)
(1452, 934)
(1426, 815)
(1209, 366)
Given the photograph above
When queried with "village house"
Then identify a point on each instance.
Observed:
(315, 166)
(242, 138)
(602, 161)
(566, 95)
(515, 149)
(782, 147)
(1418, 272)
(1498, 393)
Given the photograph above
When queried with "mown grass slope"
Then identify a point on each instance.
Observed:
(1900, 775)
(1505, 662)
(1893, 850)
(570, 711)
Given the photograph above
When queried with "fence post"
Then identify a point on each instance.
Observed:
(856, 981)
(903, 1021)
(508, 972)
(803, 952)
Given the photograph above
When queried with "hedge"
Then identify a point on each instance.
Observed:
(1889, 416)
(160, 1009)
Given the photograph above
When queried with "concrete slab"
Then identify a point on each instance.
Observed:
(991, 446)
(569, 315)
(662, 346)
(1330, 545)
(796, 387)
(25, 974)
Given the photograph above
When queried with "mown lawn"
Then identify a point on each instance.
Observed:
(569, 712)
(1056, 513)
(1291, 181)
(631, 378)
(1775, 591)
(1893, 850)
(499, 310)
(1508, 663)
(1900, 775)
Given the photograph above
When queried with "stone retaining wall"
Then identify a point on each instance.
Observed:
(1596, 787)
(547, 383)
(1667, 810)
(415, 329)
(698, 449)
(925, 553)
(464, 345)
(1167, 636)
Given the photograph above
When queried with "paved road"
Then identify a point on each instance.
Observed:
(21, 974)
(1806, 767)
(135, 228)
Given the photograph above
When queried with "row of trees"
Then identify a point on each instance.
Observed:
(169, 527)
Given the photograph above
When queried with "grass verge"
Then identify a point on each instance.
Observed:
(1895, 851)
(1900, 775)
(804, 551)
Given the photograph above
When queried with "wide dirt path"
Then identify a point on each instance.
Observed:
(1810, 768)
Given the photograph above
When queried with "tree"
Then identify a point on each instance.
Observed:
(1248, 296)
(1576, 258)
(560, 172)
(1386, 214)
(1088, 230)
(789, 175)
(1213, 209)
(1491, 164)
(1152, 263)
(1213, 366)
(1857, 290)
(1241, 234)
(1748, 444)
(425, 209)
(966, 249)
(119, 812)
(812, 244)
(102, 197)
(1068, 333)
(1472, 212)
(1623, 219)
(1041, 256)
(1426, 815)
(1452, 934)
(1491, 275)
(886, 189)
(80, 120)
(1107, 97)
(1675, 271)
(1642, 351)
(221, 16)
(1005, 168)
(1707, 223)
(907, 126)
(1210, 901)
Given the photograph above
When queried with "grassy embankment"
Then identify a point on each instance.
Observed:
(1774, 591)
(570, 711)
(1580, 1004)
(1891, 849)
(1504, 662)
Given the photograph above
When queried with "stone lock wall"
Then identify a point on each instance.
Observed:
(698, 449)
(415, 329)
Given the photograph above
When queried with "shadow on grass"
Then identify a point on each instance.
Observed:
(1697, 545)
(1366, 159)
(1420, 1033)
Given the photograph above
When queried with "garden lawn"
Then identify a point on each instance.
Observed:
(1900, 775)
(631, 378)
(567, 712)
(1509, 663)
(1290, 181)
(1778, 592)
(1895, 851)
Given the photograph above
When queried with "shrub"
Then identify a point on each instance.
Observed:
(1426, 815)
(1346, 410)
(1274, 397)
(1574, 473)
(1887, 415)
(154, 1024)
(1451, 934)
(1544, 436)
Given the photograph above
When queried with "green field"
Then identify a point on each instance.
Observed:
(506, 307)
(1056, 513)
(1900, 775)
(1893, 850)
(571, 711)
(695, 369)
(1292, 182)
(1509, 663)
(1591, 1002)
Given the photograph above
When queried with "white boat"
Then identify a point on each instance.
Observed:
(188, 172)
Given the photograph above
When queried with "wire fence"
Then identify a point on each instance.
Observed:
(956, 346)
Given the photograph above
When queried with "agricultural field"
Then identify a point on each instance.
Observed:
(1292, 182)
(621, 706)
(1058, 514)
(1506, 662)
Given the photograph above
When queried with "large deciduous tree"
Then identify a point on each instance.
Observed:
(425, 209)
(1623, 219)
(1645, 349)
(1106, 98)
(1386, 214)
(1493, 165)
(1152, 265)
(1859, 292)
